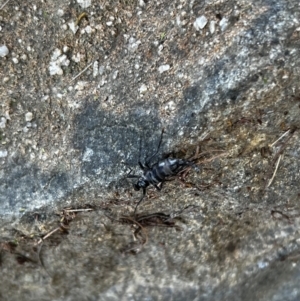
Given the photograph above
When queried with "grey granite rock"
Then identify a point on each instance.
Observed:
(232, 93)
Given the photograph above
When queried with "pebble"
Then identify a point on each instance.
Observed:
(58, 60)
(76, 57)
(81, 85)
(2, 122)
(84, 3)
(95, 68)
(160, 48)
(3, 51)
(87, 155)
(200, 22)
(3, 153)
(170, 106)
(56, 53)
(28, 116)
(101, 70)
(163, 68)
(223, 24)
(60, 12)
(88, 29)
(212, 26)
(115, 74)
(141, 3)
(133, 44)
(143, 88)
(73, 26)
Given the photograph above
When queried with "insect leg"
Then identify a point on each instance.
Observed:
(141, 165)
(144, 193)
(157, 187)
(193, 165)
(159, 144)
(133, 176)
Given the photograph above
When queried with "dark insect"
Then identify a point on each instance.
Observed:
(159, 172)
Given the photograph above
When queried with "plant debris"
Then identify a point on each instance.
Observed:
(142, 221)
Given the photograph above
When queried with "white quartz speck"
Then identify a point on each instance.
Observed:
(223, 24)
(81, 85)
(73, 26)
(2, 122)
(115, 74)
(200, 22)
(28, 116)
(160, 48)
(101, 70)
(133, 44)
(95, 69)
(58, 60)
(60, 12)
(212, 26)
(84, 3)
(3, 153)
(3, 51)
(56, 53)
(87, 155)
(76, 57)
(163, 68)
(143, 88)
(88, 29)
(170, 106)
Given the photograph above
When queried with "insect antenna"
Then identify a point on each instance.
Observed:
(147, 162)
(144, 193)
(140, 152)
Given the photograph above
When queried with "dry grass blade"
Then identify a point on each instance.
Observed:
(48, 234)
(4, 4)
(140, 222)
(275, 171)
(138, 230)
(278, 154)
(283, 135)
(87, 67)
(67, 215)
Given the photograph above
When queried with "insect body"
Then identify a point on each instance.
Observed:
(159, 172)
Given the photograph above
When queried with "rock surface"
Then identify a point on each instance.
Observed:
(231, 91)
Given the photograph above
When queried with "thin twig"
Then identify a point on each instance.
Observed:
(88, 66)
(280, 137)
(196, 155)
(78, 210)
(137, 223)
(47, 235)
(277, 164)
(283, 146)
(4, 4)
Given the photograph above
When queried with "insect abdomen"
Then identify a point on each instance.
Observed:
(165, 168)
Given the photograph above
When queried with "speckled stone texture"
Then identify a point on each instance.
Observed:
(86, 89)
